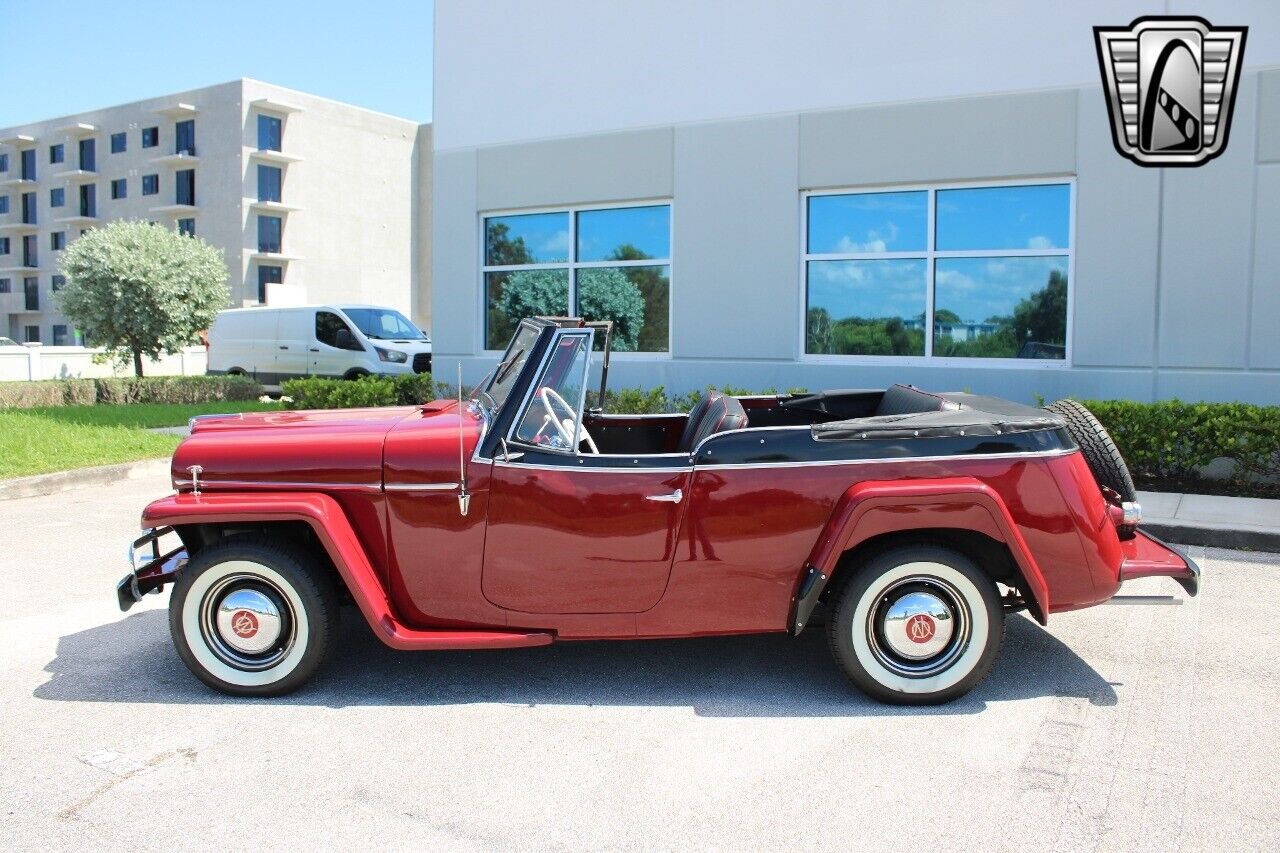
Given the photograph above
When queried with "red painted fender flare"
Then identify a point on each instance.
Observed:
(874, 507)
(326, 517)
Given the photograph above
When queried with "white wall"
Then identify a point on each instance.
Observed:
(39, 362)
(515, 70)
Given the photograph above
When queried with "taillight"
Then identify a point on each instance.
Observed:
(1127, 515)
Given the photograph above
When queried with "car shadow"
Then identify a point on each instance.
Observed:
(763, 675)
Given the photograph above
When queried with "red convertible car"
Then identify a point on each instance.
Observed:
(521, 517)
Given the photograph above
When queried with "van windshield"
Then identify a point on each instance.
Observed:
(384, 324)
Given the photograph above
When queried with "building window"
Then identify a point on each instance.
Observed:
(57, 282)
(4, 285)
(59, 336)
(601, 264)
(89, 155)
(28, 164)
(4, 162)
(4, 204)
(56, 153)
(150, 137)
(150, 184)
(269, 132)
(29, 208)
(32, 334)
(88, 199)
(119, 143)
(269, 180)
(268, 275)
(4, 245)
(185, 187)
(57, 241)
(187, 227)
(57, 197)
(31, 293)
(270, 231)
(120, 188)
(30, 256)
(184, 137)
(956, 272)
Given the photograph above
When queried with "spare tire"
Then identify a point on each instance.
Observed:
(1099, 450)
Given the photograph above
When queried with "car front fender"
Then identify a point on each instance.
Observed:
(873, 508)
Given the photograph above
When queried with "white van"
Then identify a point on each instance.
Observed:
(341, 341)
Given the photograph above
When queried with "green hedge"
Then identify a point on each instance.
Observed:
(148, 389)
(1173, 440)
(366, 391)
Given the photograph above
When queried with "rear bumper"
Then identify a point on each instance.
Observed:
(1145, 556)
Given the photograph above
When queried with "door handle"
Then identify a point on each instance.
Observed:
(282, 346)
(673, 498)
(313, 349)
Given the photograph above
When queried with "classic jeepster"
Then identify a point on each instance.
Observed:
(520, 516)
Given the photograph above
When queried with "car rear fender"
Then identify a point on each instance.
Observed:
(334, 532)
(874, 508)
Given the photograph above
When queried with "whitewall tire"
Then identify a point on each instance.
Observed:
(253, 618)
(918, 625)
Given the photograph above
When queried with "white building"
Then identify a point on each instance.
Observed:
(310, 199)
(849, 195)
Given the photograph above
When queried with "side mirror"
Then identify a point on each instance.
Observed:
(343, 339)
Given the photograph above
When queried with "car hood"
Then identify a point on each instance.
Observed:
(311, 449)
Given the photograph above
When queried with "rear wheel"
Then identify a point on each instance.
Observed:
(919, 625)
(253, 618)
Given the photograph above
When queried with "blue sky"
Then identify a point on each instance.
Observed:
(81, 55)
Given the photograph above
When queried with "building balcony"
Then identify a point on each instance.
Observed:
(271, 206)
(17, 268)
(17, 139)
(80, 220)
(78, 128)
(177, 111)
(77, 176)
(278, 158)
(19, 228)
(179, 161)
(278, 258)
(270, 105)
(181, 210)
(19, 184)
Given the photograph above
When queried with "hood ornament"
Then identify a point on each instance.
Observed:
(195, 471)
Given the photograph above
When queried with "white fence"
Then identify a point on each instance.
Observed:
(43, 362)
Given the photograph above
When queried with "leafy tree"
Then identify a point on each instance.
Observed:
(501, 250)
(139, 289)
(656, 290)
(603, 294)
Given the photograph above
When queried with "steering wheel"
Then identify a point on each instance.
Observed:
(565, 428)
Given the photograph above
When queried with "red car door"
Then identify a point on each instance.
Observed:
(582, 534)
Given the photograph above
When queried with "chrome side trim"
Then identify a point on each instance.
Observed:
(206, 484)
(421, 487)
(962, 457)
(583, 469)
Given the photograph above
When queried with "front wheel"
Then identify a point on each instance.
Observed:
(253, 618)
(920, 625)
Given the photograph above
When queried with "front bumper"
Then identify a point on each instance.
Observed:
(1145, 556)
(148, 573)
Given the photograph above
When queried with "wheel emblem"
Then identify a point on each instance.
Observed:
(244, 623)
(921, 628)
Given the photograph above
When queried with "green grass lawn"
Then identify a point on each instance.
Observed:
(37, 441)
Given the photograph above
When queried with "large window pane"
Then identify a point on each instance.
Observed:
(636, 299)
(868, 222)
(867, 307)
(625, 234)
(1001, 307)
(1035, 217)
(533, 238)
(512, 296)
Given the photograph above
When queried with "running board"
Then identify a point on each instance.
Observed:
(401, 637)
(1164, 600)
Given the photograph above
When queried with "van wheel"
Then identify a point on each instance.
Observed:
(919, 625)
(358, 373)
(237, 371)
(253, 617)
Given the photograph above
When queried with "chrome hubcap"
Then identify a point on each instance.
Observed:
(918, 627)
(247, 622)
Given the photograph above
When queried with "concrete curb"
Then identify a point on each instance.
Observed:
(61, 481)
(1215, 535)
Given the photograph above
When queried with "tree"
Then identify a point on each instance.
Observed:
(603, 294)
(139, 289)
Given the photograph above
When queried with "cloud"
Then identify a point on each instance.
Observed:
(1040, 241)
(556, 246)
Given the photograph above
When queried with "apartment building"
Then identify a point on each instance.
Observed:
(310, 199)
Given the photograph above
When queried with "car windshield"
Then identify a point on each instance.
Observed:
(384, 324)
(498, 384)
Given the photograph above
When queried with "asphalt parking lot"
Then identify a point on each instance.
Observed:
(1118, 728)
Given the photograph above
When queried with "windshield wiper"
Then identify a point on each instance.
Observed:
(505, 367)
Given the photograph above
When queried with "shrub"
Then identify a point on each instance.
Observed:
(367, 391)
(152, 389)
